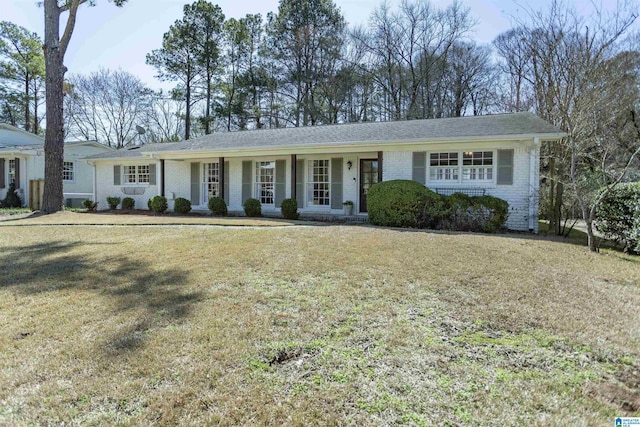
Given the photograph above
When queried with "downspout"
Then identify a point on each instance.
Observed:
(533, 185)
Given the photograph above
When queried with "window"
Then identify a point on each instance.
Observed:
(211, 180)
(318, 183)
(136, 174)
(477, 166)
(443, 166)
(67, 171)
(12, 171)
(265, 172)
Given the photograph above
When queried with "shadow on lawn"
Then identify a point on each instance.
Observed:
(151, 297)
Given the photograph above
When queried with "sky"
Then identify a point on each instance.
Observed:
(111, 37)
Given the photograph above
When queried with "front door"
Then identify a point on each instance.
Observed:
(368, 177)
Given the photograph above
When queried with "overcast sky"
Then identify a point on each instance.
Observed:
(112, 37)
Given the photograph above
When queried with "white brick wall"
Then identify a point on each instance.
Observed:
(397, 165)
(105, 187)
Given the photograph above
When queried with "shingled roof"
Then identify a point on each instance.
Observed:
(523, 124)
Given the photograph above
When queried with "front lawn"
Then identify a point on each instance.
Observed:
(327, 325)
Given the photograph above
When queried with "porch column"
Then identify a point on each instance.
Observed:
(379, 166)
(294, 161)
(221, 177)
(162, 177)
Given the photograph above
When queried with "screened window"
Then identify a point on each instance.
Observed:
(211, 180)
(477, 166)
(135, 174)
(12, 171)
(318, 183)
(443, 166)
(67, 171)
(265, 172)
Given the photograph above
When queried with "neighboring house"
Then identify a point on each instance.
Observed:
(324, 166)
(22, 163)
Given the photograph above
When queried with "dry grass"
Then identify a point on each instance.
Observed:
(312, 326)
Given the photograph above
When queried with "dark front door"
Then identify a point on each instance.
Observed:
(368, 177)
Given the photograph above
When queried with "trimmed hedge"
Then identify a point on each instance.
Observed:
(289, 209)
(158, 204)
(128, 203)
(618, 216)
(182, 206)
(403, 203)
(113, 202)
(252, 207)
(11, 200)
(217, 206)
(396, 203)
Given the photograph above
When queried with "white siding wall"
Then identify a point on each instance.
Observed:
(177, 180)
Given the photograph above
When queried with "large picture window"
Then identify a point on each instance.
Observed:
(67, 171)
(265, 172)
(476, 166)
(318, 183)
(443, 166)
(211, 180)
(132, 174)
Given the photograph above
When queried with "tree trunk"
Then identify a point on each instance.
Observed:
(27, 116)
(591, 238)
(54, 137)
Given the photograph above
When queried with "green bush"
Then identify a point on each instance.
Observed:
(113, 202)
(617, 216)
(11, 200)
(90, 205)
(433, 209)
(480, 213)
(182, 206)
(158, 204)
(289, 209)
(218, 206)
(396, 203)
(252, 207)
(128, 203)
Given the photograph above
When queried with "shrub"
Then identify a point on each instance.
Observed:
(617, 216)
(433, 209)
(113, 202)
(158, 204)
(11, 200)
(128, 203)
(182, 206)
(217, 206)
(396, 203)
(90, 205)
(289, 209)
(481, 213)
(252, 207)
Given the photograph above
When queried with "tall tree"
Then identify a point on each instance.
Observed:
(55, 47)
(106, 106)
(190, 55)
(21, 75)
(305, 39)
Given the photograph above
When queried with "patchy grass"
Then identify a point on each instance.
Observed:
(123, 218)
(14, 211)
(312, 326)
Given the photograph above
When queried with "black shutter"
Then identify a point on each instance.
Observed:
(195, 183)
(336, 183)
(281, 182)
(246, 180)
(2, 183)
(505, 167)
(116, 175)
(420, 167)
(225, 185)
(300, 183)
(152, 174)
(17, 180)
